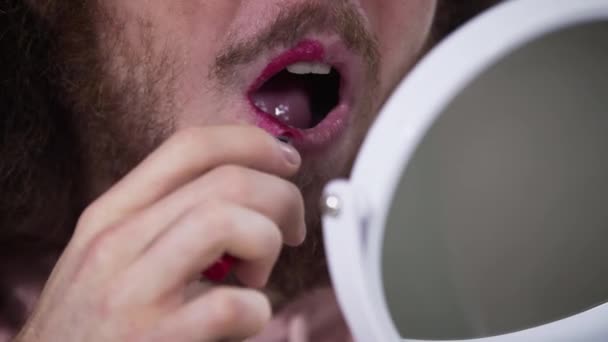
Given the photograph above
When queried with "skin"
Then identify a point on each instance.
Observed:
(251, 196)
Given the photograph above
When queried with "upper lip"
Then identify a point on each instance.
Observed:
(331, 52)
(306, 51)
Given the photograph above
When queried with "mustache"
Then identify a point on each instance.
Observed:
(292, 24)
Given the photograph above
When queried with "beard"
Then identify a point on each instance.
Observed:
(122, 107)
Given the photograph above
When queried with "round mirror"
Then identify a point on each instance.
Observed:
(489, 218)
(500, 219)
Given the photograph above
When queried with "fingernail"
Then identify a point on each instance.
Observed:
(290, 153)
(284, 138)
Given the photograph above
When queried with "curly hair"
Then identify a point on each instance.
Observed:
(35, 137)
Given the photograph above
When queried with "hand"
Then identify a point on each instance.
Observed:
(205, 192)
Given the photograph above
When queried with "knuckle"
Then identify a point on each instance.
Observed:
(214, 219)
(90, 215)
(272, 240)
(234, 179)
(227, 308)
(98, 251)
(289, 193)
(290, 190)
(92, 219)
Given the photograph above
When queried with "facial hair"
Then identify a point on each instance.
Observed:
(300, 269)
(123, 105)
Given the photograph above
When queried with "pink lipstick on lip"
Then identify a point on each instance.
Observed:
(306, 51)
(324, 132)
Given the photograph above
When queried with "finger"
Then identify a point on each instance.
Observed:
(298, 329)
(221, 314)
(185, 156)
(193, 243)
(275, 198)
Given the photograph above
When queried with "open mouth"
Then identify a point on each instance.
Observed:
(308, 93)
(301, 95)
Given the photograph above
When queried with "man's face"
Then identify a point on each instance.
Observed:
(314, 70)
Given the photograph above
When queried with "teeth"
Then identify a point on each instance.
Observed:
(322, 69)
(303, 68)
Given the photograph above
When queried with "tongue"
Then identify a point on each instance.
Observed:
(286, 99)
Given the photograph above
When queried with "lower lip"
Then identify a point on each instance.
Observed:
(307, 139)
(313, 138)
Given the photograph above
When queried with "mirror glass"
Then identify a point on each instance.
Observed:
(500, 221)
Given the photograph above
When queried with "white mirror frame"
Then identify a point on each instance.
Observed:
(356, 209)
